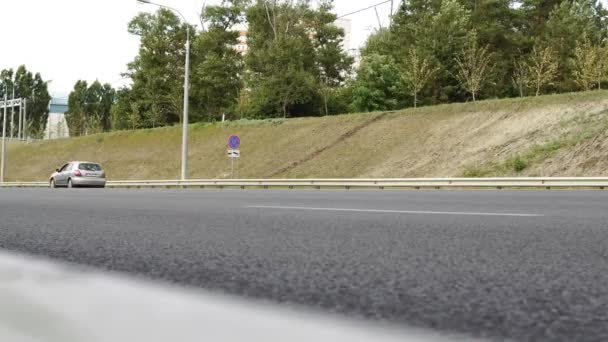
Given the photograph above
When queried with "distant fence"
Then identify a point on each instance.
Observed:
(359, 183)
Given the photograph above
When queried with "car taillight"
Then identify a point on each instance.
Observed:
(77, 173)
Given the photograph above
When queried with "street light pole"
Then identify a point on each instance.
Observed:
(184, 170)
(186, 109)
(3, 136)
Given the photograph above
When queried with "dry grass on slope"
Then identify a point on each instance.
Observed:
(549, 135)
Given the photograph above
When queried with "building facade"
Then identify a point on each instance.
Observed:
(56, 125)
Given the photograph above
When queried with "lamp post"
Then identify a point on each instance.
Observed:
(3, 136)
(186, 90)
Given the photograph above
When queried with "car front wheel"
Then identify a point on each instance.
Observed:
(70, 185)
(52, 184)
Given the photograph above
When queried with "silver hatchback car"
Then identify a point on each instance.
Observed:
(78, 173)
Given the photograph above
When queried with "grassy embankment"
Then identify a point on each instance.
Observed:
(555, 135)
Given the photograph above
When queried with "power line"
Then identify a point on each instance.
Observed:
(364, 9)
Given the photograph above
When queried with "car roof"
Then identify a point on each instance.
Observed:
(83, 162)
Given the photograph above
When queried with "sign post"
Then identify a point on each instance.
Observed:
(234, 142)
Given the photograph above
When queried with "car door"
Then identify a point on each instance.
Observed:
(62, 175)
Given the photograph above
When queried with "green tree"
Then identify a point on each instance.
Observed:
(293, 48)
(157, 72)
(76, 115)
(533, 16)
(35, 90)
(569, 23)
(378, 85)
(333, 63)
(496, 23)
(434, 28)
(448, 33)
(601, 72)
(90, 108)
(586, 64)
(218, 68)
(279, 46)
(121, 110)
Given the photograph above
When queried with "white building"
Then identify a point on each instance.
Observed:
(241, 45)
(346, 25)
(56, 125)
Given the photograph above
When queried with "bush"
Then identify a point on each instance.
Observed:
(518, 164)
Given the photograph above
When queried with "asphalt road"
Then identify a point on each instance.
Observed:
(518, 265)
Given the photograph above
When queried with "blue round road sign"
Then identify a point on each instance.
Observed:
(234, 142)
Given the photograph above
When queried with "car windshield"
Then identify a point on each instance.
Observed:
(89, 167)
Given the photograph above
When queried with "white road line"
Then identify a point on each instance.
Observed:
(388, 211)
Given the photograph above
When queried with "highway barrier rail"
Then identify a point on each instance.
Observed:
(358, 183)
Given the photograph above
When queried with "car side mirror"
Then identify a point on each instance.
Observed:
(56, 170)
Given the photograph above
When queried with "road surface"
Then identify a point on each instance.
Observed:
(517, 265)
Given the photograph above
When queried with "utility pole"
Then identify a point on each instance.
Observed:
(378, 18)
(24, 119)
(3, 137)
(20, 120)
(12, 114)
(48, 120)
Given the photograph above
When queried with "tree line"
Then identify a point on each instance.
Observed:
(442, 51)
(22, 83)
(434, 51)
(294, 65)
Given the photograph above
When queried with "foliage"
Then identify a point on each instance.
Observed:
(378, 85)
(295, 58)
(435, 51)
(474, 65)
(90, 108)
(217, 67)
(417, 71)
(521, 76)
(543, 67)
(34, 89)
(157, 72)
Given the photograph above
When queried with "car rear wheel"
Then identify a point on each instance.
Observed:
(70, 185)
(52, 184)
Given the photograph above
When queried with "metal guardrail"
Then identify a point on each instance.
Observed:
(358, 183)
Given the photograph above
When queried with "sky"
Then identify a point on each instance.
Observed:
(68, 40)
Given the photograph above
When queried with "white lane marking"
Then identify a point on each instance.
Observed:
(389, 211)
